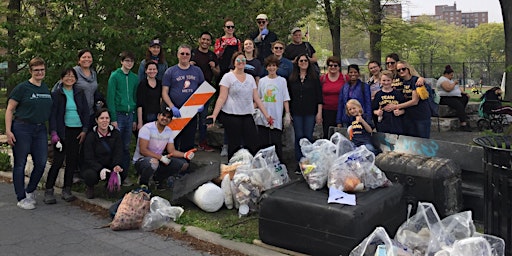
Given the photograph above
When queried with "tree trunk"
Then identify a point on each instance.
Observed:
(12, 19)
(334, 21)
(506, 10)
(375, 30)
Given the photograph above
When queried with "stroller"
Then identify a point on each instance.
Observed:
(492, 114)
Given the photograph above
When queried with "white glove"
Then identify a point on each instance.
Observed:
(59, 146)
(165, 160)
(287, 119)
(103, 173)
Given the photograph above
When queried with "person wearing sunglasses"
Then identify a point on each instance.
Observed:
(332, 83)
(122, 105)
(285, 65)
(226, 45)
(416, 120)
(234, 107)
(28, 108)
(180, 82)
(305, 102)
(263, 37)
(391, 61)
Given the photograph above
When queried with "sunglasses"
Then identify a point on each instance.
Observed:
(333, 65)
(261, 21)
(390, 63)
(278, 48)
(241, 60)
(230, 27)
(303, 60)
(184, 53)
(402, 69)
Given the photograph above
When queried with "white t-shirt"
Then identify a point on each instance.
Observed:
(157, 140)
(239, 100)
(273, 93)
(455, 92)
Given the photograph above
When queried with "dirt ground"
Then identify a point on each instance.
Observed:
(167, 233)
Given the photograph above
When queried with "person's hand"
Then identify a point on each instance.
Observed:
(81, 137)
(200, 109)
(359, 119)
(103, 173)
(318, 118)
(339, 125)
(176, 112)
(390, 107)
(287, 120)
(193, 63)
(10, 138)
(139, 124)
(214, 119)
(379, 112)
(190, 154)
(212, 64)
(165, 160)
(134, 126)
(264, 32)
(55, 137)
(118, 168)
(397, 112)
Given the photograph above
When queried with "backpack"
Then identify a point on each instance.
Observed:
(433, 100)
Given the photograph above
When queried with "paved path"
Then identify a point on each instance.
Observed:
(64, 229)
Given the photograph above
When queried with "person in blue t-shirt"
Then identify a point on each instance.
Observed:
(389, 122)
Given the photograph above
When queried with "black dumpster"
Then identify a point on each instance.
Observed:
(497, 164)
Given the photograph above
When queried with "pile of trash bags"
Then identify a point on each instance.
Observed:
(243, 180)
(337, 163)
(426, 234)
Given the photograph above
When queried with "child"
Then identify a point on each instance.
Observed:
(389, 122)
(361, 127)
(273, 92)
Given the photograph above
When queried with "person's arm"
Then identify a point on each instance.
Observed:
(215, 68)
(172, 152)
(140, 103)
(318, 117)
(412, 102)
(259, 103)
(165, 96)
(144, 149)
(448, 85)
(9, 114)
(365, 124)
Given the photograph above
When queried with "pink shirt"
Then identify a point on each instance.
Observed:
(331, 90)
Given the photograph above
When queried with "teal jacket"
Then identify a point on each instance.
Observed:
(122, 93)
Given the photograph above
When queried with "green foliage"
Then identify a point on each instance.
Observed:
(5, 159)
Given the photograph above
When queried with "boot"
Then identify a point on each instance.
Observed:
(49, 198)
(89, 193)
(67, 195)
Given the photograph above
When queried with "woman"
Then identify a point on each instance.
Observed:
(332, 82)
(391, 62)
(453, 96)
(353, 89)
(103, 152)
(285, 65)
(226, 45)
(374, 82)
(155, 54)
(28, 108)
(69, 121)
(305, 101)
(149, 93)
(416, 120)
(253, 66)
(87, 82)
(238, 91)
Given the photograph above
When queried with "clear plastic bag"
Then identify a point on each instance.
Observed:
(242, 157)
(160, 213)
(267, 159)
(379, 240)
(248, 185)
(317, 160)
(343, 145)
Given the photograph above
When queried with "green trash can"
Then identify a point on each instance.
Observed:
(497, 162)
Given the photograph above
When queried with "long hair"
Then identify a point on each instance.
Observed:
(356, 103)
(310, 73)
(161, 55)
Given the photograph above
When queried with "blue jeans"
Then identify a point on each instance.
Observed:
(125, 124)
(303, 127)
(30, 139)
(417, 128)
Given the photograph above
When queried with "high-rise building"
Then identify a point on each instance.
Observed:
(451, 15)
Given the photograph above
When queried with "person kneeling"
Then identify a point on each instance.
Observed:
(154, 138)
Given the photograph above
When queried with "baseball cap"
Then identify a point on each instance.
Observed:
(164, 110)
(295, 29)
(154, 42)
(262, 17)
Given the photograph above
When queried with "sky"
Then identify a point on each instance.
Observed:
(418, 7)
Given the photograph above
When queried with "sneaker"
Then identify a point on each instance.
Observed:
(224, 151)
(160, 186)
(26, 204)
(67, 195)
(49, 198)
(127, 182)
(89, 192)
(205, 147)
(31, 197)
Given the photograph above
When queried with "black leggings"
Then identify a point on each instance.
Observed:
(240, 130)
(457, 103)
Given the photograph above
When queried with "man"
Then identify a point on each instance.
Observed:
(179, 83)
(122, 88)
(207, 61)
(263, 38)
(154, 138)
(298, 47)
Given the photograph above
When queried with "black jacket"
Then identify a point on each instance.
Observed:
(59, 110)
(97, 156)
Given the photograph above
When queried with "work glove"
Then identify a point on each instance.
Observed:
(176, 112)
(55, 137)
(58, 146)
(190, 154)
(165, 160)
(200, 109)
(264, 32)
(103, 173)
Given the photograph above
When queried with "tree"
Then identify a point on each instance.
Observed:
(333, 15)
(506, 10)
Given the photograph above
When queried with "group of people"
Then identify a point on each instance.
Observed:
(282, 82)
